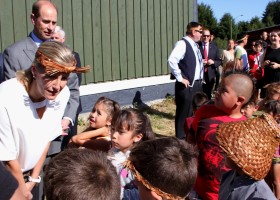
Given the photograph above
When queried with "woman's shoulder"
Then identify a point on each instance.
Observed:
(11, 88)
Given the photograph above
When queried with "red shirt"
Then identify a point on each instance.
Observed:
(211, 162)
(255, 65)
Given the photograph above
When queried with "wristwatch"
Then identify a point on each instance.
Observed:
(34, 180)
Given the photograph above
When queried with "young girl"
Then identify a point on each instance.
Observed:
(272, 107)
(272, 93)
(129, 127)
(97, 135)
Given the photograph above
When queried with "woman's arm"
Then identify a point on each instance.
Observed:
(37, 169)
(81, 138)
(14, 167)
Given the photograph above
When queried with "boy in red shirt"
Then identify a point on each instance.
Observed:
(235, 90)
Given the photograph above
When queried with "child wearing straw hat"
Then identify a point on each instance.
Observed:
(249, 146)
(235, 90)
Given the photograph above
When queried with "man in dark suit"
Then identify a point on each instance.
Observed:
(1, 67)
(211, 61)
(185, 63)
(59, 35)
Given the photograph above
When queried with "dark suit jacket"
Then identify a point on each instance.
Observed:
(213, 54)
(1, 67)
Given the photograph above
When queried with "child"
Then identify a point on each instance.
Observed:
(272, 93)
(81, 174)
(272, 107)
(249, 146)
(249, 109)
(97, 135)
(164, 168)
(255, 62)
(129, 127)
(229, 99)
(199, 99)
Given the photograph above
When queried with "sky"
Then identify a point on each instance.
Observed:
(247, 8)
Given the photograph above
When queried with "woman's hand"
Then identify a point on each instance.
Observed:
(274, 65)
(30, 185)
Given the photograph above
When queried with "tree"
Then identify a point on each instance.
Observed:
(223, 30)
(256, 23)
(271, 14)
(206, 17)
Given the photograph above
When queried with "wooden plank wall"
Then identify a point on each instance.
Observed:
(120, 39)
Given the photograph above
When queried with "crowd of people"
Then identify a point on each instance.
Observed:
(226, 124)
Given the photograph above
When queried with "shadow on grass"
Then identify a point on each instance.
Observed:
(139, 104)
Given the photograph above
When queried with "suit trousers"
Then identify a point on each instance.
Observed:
(183, 100)
(209, 85)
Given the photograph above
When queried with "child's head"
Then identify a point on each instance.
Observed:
(251, 106)
(164, 167)
(130, 126)
(272, 107)
(273, 91)
(199, 99)
(235, 90)
(81, 174)
(250, 144)
(257, 47)
(102, 112)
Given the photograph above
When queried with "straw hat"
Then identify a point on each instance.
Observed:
(250, 144)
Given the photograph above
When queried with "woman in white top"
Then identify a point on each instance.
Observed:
(31, 109)
(228, 54)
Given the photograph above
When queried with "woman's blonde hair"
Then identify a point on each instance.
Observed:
(57, 52)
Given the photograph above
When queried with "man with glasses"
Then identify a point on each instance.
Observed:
(185, 62)
(211, 62)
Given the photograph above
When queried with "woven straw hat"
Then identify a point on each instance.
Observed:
(250, 144)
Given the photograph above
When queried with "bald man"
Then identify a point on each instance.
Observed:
(21, 54)
(229, 99)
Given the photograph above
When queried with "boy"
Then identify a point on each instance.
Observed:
(199, 99)
(235, 90)
(249, 146)
(81, 174)
(164, 168)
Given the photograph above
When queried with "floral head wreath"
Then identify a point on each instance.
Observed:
(128, 164)
(53, 67)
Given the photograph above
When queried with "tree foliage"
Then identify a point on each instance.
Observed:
(222, 29)
(206, 17)
(271, 15)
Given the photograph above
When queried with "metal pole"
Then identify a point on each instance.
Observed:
(230, 29)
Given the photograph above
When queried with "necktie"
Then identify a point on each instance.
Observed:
(205, 54)
(200, 61)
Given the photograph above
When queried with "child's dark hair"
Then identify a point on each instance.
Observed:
(133, 120)
(81, 174)
(168, 164)
(272, 106)
(111, 106)
(199, 99)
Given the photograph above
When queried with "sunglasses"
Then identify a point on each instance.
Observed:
(200, 31)
(206, 36)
